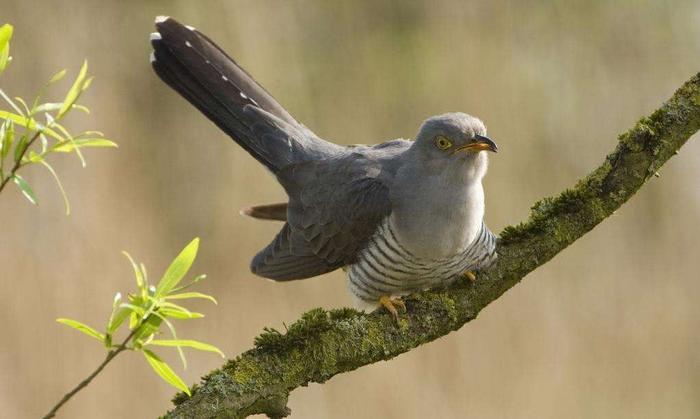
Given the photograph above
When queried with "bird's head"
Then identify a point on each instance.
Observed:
(454, 141)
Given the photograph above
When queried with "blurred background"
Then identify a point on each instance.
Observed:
(608, 329)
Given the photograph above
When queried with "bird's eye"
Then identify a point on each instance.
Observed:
(442, 143)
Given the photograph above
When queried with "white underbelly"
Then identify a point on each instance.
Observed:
(386, 267)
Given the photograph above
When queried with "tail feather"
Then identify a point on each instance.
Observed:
(246, 83)
(202, 73)
(176, 76)
(275, 212)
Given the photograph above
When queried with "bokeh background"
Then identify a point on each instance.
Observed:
(608, 329)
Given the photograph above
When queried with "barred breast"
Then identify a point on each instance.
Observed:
(386, 267)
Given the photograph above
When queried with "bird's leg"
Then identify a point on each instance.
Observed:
(470, 275)
(390, 305)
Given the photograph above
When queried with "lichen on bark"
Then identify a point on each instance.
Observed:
(323, 343)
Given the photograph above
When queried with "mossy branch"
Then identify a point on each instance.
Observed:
(325, 343)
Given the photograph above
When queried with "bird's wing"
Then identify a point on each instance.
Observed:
(194, 66)
(334, 208)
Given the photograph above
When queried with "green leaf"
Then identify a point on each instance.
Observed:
(188, 343)
(193, 282)
(60, 185)
(165, 372)
(180, 352)
(44, 143)
(72, 141)
(82, 108)
(24, 186)
(20, 147)
(165, 304)
(148, 328)
(87, 83)
(10, 102)
(52, 107)
(68, 146)
(187, 295)
(74, 91)
(36, 108)
(179, 314)
(118, 318)
(140, 280)
(118, 315)
(5, 36)
(133, 320)
(7, 137)
(177, 269)
(145, 278)
(48, 107)
(24, 104)
(33, 157)
(30, 124)
(83, 328)
(91, 134)
(58, 76)
(136, 309)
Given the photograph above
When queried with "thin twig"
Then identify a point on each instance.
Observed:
(110, 356)
(18, 163)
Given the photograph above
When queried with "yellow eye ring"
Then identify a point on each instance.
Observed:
(442, 142)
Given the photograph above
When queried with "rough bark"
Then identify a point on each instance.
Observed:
(325, 343)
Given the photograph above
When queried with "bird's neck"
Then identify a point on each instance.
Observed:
(440, 215)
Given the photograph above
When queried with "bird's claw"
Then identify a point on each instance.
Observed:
(470, 275)
(390, 305)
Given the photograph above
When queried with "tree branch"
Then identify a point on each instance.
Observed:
(325, 343)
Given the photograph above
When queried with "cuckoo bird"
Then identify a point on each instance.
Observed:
(398, 217)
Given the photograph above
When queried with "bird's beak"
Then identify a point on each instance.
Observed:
(482, 143)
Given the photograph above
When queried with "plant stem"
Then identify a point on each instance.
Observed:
(110, 356)
(18, 163)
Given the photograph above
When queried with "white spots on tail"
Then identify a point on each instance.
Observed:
(187, 44)
(155, 36)
(224, 78)
(246, 97)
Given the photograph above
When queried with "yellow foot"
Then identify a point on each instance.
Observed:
(471, 276)
(390, 305)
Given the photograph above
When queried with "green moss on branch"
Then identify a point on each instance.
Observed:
(322, 344)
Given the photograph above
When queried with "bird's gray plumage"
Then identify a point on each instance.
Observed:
(346, 204)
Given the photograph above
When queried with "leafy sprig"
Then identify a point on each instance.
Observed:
(147, 310)
(26, 140)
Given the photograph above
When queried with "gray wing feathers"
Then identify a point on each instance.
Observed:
(283, 261)
(334, 208)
